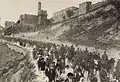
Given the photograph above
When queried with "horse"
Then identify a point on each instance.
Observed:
(110, 67)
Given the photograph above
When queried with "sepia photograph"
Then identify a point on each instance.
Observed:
(60, 41)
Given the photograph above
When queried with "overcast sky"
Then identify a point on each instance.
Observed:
(11, 9)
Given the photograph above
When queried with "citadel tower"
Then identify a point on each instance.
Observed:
(42, 15)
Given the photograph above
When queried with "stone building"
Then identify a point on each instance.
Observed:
(63, 14)
(98, 5)
(9, 24)
(42, 15)
(84, 7)
(28, 20)
(75, 11)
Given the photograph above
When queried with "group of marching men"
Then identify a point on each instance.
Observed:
(66, 64)
(61, 63)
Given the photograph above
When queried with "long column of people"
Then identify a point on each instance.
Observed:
(61, 63)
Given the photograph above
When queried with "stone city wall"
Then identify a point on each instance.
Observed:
(30, 20)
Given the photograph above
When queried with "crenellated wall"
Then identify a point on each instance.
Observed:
(98, 5)
(63, 14)
(9, 23)
(40, 20)
(84, 8)
(28, 20)
(42, 17)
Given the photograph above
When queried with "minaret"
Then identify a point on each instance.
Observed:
(39, 5)
(39, 13)
(39, 8)
(42, 15)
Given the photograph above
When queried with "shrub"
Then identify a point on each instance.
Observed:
(70, 13)
(105, 16)
(99, 13)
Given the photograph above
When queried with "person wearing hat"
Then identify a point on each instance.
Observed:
(51, 73)
(41, 64)
(34, 52)
(59, 65)
(53, 65)
(70, 77)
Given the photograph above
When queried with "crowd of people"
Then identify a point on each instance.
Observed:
(66, 64)
(62, 63)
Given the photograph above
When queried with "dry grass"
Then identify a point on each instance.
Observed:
(6, 55)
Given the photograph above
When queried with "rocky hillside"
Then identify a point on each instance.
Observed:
(17, 65)
(96, 28)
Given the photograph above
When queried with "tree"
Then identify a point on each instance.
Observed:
(64, 17)
(70, 13)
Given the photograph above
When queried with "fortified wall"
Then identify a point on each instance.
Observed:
(63, 14)
(29, 20)
(83, 9)
(9, 24)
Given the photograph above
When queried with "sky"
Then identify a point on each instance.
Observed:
(10, 10)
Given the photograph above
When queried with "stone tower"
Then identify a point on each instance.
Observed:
(42, 15)
(39, 5)
(39, 8)
(84, 7)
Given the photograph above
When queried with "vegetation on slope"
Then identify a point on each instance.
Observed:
(95, 28)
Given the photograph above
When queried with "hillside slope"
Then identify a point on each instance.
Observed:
(96, 28)
(17, 67)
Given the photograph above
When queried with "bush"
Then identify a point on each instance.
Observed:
(70, 13)
(105, 16)
(99, 13)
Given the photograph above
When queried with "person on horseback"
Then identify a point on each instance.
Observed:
(86, 52)
(110, 65)
(104, 60)
(48, 60)
(41, 51)
(105, 56)
(72, 51)
(41, 64)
